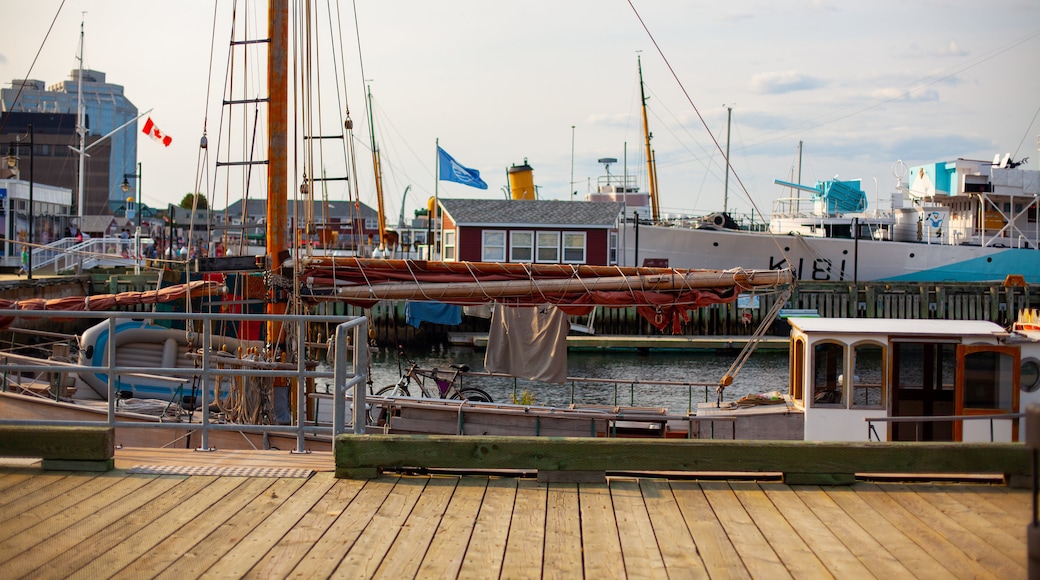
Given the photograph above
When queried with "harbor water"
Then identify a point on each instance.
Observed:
(764, 372)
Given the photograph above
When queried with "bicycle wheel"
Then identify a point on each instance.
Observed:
(473, 394)
(393, 391)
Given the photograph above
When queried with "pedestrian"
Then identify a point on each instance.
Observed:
(25, 261)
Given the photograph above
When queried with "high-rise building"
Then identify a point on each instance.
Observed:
(106, 108)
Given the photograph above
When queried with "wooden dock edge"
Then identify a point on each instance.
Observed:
(61, 448)
(800, 462)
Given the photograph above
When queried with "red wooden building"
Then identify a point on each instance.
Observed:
(538, 231)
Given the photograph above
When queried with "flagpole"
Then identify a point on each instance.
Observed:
(436, 200)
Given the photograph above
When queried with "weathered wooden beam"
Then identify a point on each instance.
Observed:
(64, 448)
(803, 461)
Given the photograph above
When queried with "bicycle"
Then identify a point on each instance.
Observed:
(425, 379)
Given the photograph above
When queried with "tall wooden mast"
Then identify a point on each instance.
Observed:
(277, 153)
(651, 165)
(378, 173)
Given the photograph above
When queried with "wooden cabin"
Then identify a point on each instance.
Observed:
(845, 370)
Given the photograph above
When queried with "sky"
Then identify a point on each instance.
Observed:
(860, 84)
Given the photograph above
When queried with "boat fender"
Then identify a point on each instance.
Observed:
(169, 353)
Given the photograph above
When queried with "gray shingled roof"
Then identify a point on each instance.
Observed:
(549, 212)
(341, 209)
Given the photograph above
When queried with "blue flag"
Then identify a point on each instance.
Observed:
(451, 170)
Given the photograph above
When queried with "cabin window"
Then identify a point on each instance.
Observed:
(612, 250)
(574, 247)
(1029, 375)
(828, 371)
(493, 246)
(989, 380)
(521, 246)
(449, 245)
(548, 247)
(797, 368)
(1031, 214)
(868, 376)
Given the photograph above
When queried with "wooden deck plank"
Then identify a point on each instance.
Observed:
(526, 542)
(226, 537)
(368, 552)
(955, 537)
(104, 530)
(639, 544)
(116, 536)
(162, 525)
(12, 477)
(32, 492)
(719, 556)
(792, 550)
(261, 539)
(414, 541)
(1002, 538)
(754, 550)
(885, 550)
(487, 544)
(454, 533)
(839, 558)
(93, 495)
(678, 549)
(164, 551)
(293, 546)
(464, 527)
(562, 532)
(599, 534)
(919, 532)
(981, 502)
(325, 555)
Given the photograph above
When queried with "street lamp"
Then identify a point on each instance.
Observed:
(125, 186)
(12, 163)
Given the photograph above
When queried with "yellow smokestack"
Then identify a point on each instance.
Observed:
(521, 181)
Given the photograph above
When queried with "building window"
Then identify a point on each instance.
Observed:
(521, 246)
(1031, 214)
(371, 224)
(449, 245)
(493, 246)
(612, 250)
(828, 374)
(868, 376)
(548, 247)
(574, 247)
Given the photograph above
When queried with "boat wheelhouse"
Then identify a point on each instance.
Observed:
(856, 379)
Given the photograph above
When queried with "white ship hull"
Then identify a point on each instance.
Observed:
(833, 259)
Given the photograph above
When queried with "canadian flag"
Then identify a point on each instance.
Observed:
(152, 131)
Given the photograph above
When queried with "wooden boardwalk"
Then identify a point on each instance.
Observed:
(304, 522)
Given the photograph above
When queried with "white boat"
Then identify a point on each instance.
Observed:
(141, 343)
(956, 221)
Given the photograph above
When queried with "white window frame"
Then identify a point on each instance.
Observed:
(499, 248)
(612, 249)
(564, 248)
(555, 247)
(514, 246)
(449, 246)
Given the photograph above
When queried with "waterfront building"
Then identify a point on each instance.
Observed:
(105, 108)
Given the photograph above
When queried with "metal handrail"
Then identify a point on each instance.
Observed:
(355, 327)
(938, 418)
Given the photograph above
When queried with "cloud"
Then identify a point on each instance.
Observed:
(950, 50)
(779, 82)
(911, 95)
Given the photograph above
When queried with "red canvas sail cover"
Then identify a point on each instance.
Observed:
(663, 296)
(196, 289)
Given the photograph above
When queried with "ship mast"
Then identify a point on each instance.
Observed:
(278, 163)
(81, 129)
(651, 166)
(378, 174)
